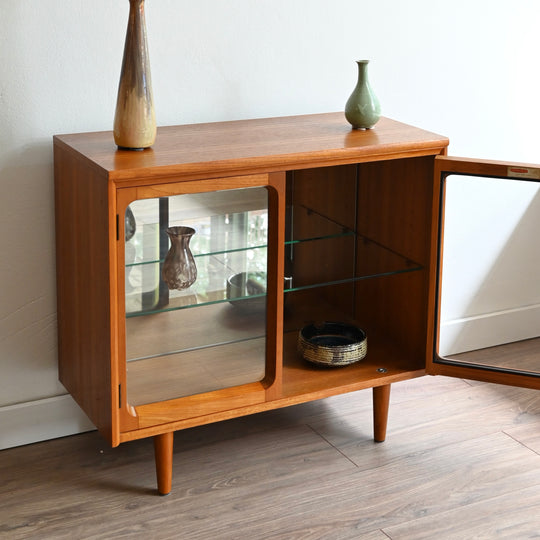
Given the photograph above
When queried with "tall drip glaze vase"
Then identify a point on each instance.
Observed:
(363, 109)
(134, 120)
(179, 270)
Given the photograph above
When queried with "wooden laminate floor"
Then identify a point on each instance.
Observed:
(461, 461)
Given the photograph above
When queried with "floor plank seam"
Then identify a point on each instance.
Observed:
(521, 443)
(454, 473)
(407, 528)
(333, 446)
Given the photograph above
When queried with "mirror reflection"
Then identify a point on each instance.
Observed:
(490, 283)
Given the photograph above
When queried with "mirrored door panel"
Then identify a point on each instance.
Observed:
(489, 271)
(195, 293)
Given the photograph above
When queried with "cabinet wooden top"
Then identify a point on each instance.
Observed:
(251, 146)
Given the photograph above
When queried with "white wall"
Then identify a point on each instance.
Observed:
(465, 69)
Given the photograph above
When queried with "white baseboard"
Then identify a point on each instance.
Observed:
(488, 330)
(41, 420)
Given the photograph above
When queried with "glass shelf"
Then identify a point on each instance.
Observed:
(319, 252)
(372, 260)
(214, 235)
(306, 225)
(234, 233)
(214, 272)
(366, 259)
(176, 331)
(231, 239)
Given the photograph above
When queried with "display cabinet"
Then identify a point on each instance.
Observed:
(291, 221)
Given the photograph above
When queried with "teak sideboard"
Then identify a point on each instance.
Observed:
(326, 222)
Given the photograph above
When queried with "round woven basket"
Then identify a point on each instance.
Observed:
(332, 344)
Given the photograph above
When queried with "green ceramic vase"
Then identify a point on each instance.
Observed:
(363, 109)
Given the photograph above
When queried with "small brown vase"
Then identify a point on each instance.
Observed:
(134, 120)
(179, 270)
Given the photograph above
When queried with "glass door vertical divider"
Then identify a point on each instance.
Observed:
(275, 285)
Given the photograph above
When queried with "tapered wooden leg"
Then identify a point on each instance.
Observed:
(163, 449)
(381, 401)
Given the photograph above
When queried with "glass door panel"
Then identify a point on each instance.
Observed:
(489, 271)
(212, 334)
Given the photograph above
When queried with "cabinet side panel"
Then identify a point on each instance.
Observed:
(395, 210)
(82, 269)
